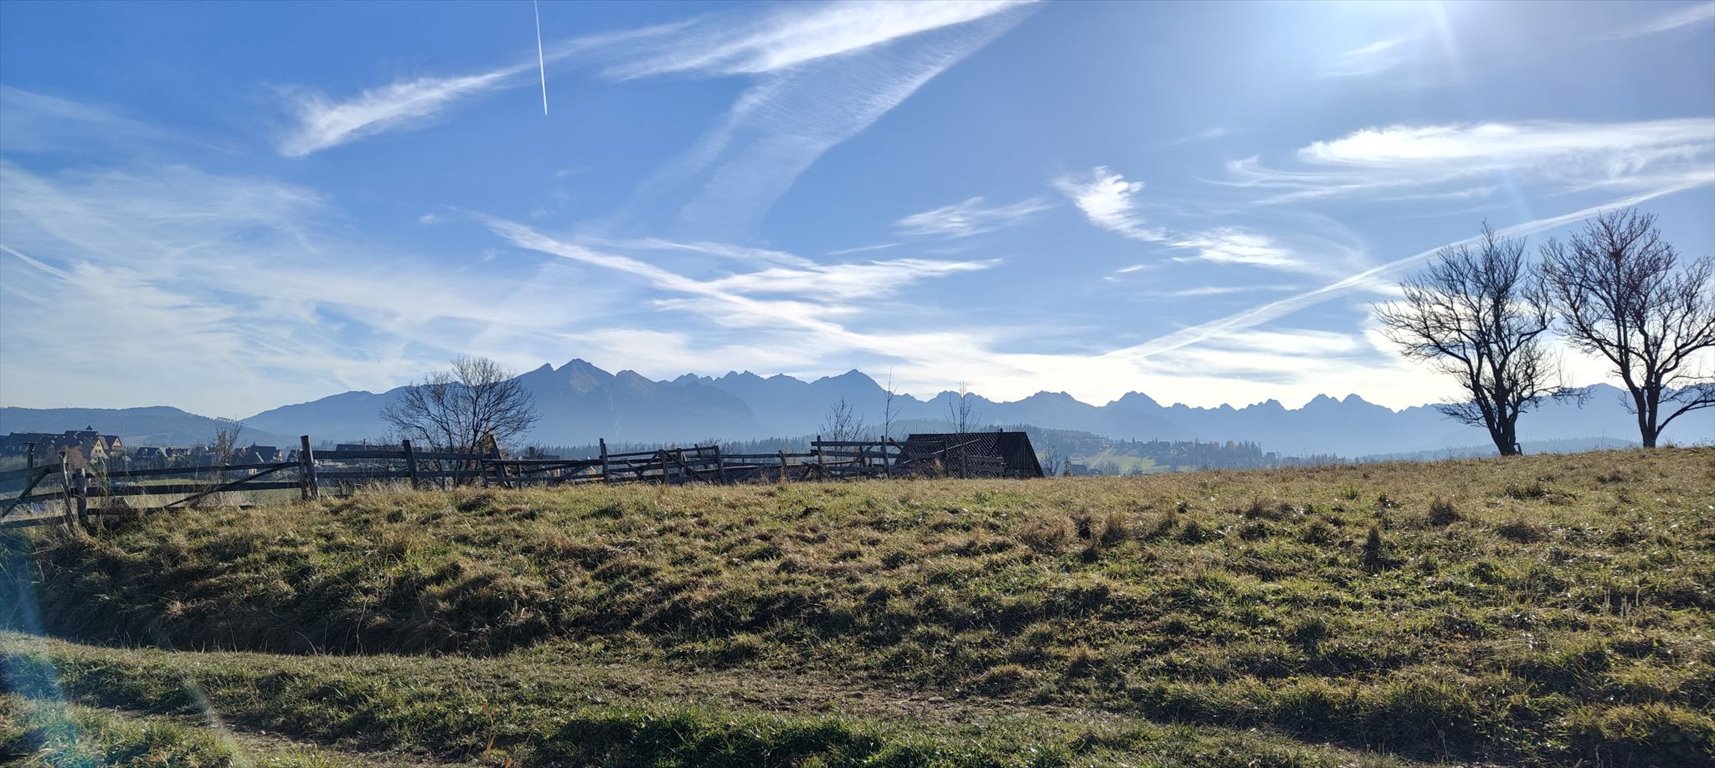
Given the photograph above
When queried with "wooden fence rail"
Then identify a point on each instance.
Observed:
(310, 470)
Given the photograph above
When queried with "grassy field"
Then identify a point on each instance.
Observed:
(1543, 610)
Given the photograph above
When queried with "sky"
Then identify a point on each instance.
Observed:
(227, 207)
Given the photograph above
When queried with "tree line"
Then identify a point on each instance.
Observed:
(1483, 312)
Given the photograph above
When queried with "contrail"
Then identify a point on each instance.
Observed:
(541, 62)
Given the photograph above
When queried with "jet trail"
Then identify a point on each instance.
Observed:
(541, 62)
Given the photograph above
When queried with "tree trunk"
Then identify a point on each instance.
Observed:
(1647, 422)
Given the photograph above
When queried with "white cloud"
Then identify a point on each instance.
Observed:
(835, 283)
(774, 42)
(234, 282)
(811, 292)
(1220, 290)
(1696, 13)
(1207, 134)
(1105, 198)
(782, 125)
(1366, 280)
(818, 321)
(1230, 245)
(1372, 59)
(324, 123)
(863, 249)
(33, 122)
(743, 254)
(1440, 161)
(968, 218)
(792, 35)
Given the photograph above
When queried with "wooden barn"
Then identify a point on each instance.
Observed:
(970, 454)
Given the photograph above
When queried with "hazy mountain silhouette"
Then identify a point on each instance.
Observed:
(579, 402)
(154, 425)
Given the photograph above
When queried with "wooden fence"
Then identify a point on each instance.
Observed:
(82, 493)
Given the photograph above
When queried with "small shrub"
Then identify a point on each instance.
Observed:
(1164, 526)
(1519, 531)
(1309, 632)
(1004, 678)
(1535, 490)
(1616, 476)
(1043, 534)
(1317, 532)
(1081, 660)
(1113, 529)
(1262, 510)
(1194, 532)
(1442, 513)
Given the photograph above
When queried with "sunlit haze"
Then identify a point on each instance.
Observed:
(228, 207)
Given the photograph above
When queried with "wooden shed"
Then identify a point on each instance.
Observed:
(970, 454)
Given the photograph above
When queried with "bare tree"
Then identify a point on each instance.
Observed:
(1620, 295)
(843, 423)
(224, 446)
(454, 410)
(1479, 313)
(961, 411)
(1053, 461)
(887, 408)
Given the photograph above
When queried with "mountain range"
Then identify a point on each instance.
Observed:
(579, 402)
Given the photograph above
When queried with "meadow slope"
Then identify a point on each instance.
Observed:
(1542, 610)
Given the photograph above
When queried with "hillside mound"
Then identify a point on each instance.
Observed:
(1531, 610)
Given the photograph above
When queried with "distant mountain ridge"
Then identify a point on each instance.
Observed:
(153, 425)
(579, 402)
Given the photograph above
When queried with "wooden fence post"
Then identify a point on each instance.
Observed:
(720, 465)
(494, 457)
(821, 467)
(410, 462)
(604, 475)
(783, 465)
(307, 469)
(65, 485)
(81, 482)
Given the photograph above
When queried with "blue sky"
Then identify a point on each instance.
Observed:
(231, 206)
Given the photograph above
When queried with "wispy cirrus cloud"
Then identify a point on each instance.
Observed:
(971, 217)
(1106, 199)
(796, 47)
(1231, 245)
(1695, 13)
(725, 251)
(323, 122)
(782, 125)
(1207, 134)
(790, 36)
(179, 269)
(1372, 59)
(1204, 291)
(1367, 279)
(1404, 161)
(825, 288)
